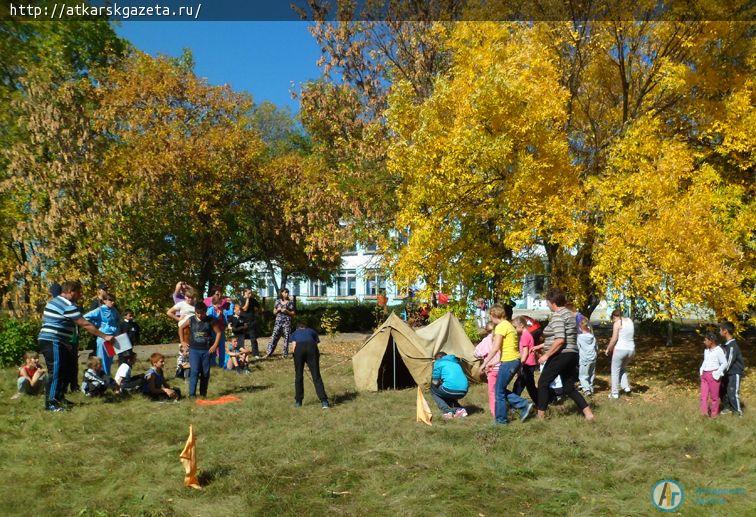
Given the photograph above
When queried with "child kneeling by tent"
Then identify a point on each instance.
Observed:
(448, 385)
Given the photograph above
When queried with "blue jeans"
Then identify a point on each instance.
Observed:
(446, 398)
(199, 362)
(504, 397)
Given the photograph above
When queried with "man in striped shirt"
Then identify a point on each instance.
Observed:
(60, 317)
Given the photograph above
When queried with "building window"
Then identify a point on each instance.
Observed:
(317, 288)
(374, 282)
(346, 283)
(350, 251)
(371, 248)
(539, 284)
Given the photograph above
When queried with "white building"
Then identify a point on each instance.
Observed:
(359, 279)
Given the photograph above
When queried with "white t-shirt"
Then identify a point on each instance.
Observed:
(626, 337)
(184, 310)
(123, 373)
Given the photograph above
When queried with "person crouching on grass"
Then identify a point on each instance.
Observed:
(31, 376)
(711, 371)
(95, 381)
(154, 385)
(204, 338)
(448, 385)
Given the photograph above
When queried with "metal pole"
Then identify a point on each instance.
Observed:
(394, 344)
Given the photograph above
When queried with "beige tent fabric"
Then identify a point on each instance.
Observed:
(415, 348)
(424, 414)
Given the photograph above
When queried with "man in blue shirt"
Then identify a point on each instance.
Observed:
(305, 342)
(59, 322)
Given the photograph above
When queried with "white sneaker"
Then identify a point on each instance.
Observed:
(614, 396)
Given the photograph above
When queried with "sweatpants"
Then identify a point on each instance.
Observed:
(281, 328)
(620, 360)
(307, 353)
(563, 365)
(58, 357)
(526, 379)
(732, 394)
(199, 363)
(709, 390)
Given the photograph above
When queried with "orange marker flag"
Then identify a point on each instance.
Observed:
(423, 410)
(189, 460)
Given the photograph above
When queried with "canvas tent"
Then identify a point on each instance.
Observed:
(397, 356)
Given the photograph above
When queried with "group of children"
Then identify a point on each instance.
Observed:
(720, 373)
(96, 381)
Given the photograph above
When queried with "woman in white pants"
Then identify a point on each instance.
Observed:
(622, 349)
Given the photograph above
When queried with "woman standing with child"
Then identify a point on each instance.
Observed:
(622, 350)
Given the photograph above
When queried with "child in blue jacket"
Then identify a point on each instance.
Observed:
(448, 385)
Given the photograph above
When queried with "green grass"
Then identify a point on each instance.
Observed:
(367, 455)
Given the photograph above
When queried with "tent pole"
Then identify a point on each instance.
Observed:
(393, 343)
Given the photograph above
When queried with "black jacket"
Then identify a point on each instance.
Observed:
(735, 363)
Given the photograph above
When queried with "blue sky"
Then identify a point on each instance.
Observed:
(262, 58)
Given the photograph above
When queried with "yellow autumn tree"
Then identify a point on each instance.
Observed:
(484, 163)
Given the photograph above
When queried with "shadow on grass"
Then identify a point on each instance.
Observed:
(341, 398)
(244, 389)
(206, 477)
(473, 409)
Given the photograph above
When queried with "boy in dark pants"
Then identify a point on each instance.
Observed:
(305, 342)
(204, 337)
(734, 371)
(130, 327)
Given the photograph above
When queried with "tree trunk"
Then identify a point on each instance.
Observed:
(670, 332)
(284, 278)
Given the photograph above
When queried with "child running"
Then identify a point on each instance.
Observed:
(588, 351)
(481, 352)
(711, 371)
(31, 376)
(526, 377)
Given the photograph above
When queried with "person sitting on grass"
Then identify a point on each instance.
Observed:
(232, 355)
(154, 385)
(31, 376)
(448, 385)
(95, 382)
(182, 361)
(124, 382)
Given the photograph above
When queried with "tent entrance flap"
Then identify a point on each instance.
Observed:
(393, 373)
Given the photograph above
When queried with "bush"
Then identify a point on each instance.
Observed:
(156, 329)
(16, 337)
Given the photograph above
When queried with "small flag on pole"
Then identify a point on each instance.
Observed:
(189, 460)
(423, 410)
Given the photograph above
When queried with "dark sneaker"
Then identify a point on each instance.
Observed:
(54, 408)
(525, 414)
(325, 405)
(297, 404)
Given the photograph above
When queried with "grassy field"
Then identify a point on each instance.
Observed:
(368, 456)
